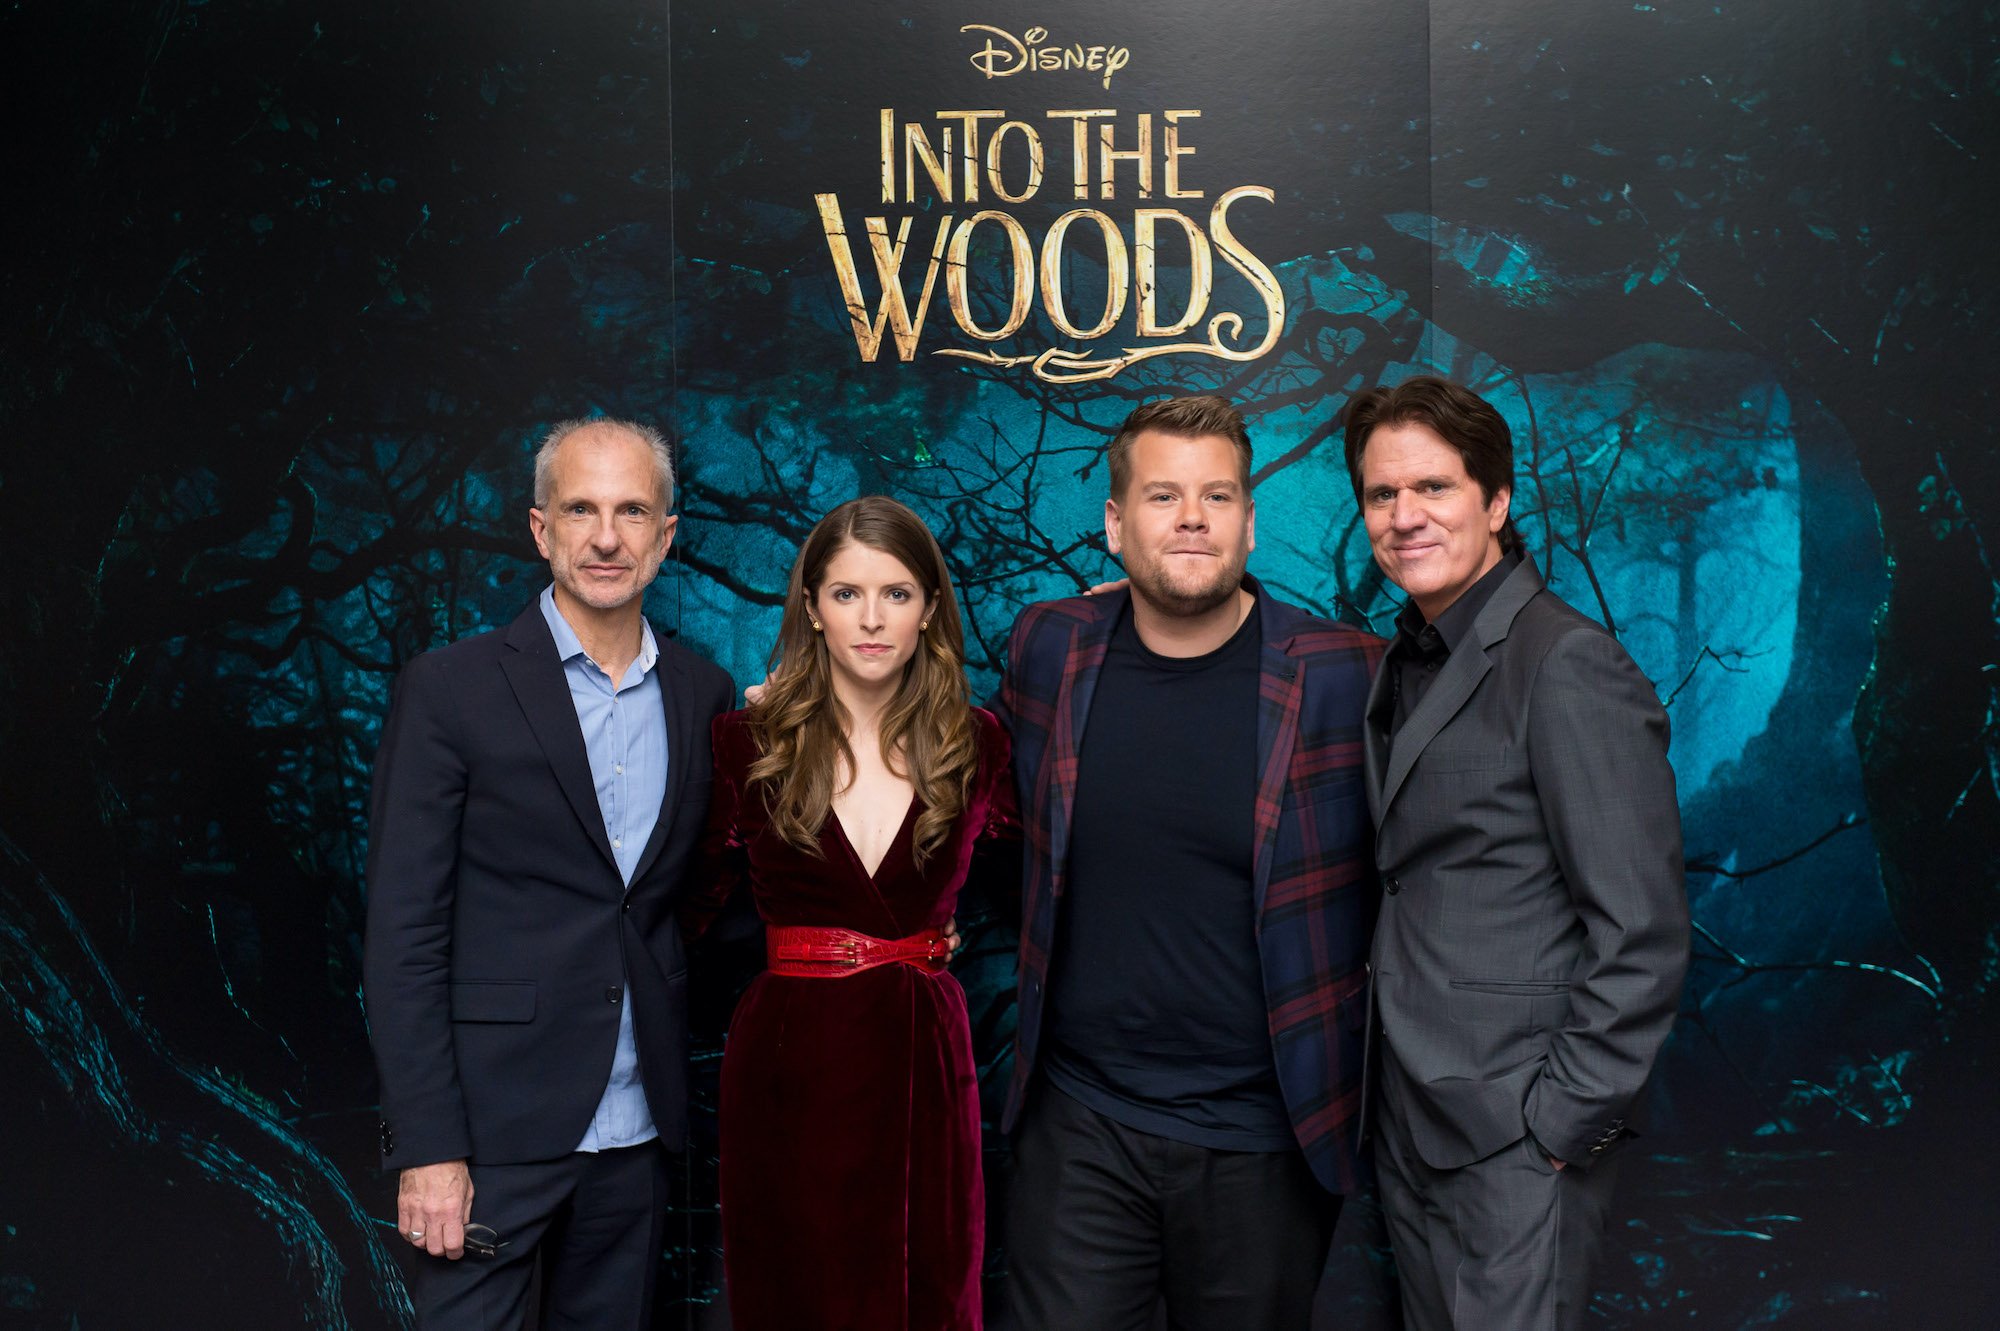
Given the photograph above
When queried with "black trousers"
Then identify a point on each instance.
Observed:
(1105, 1223)
(597, 1220)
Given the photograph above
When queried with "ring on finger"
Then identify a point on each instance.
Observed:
(416, 1235)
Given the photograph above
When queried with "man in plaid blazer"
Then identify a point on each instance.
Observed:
(1198, 896)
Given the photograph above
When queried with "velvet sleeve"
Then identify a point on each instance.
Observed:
(1003, 815)
(722, 857)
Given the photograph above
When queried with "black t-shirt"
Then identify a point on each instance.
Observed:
(1157, 1015)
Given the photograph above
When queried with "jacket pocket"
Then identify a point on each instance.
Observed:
(1522, 1008)
(493, 1000)
(1519, 988)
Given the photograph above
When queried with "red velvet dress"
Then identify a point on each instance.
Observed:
(851, 1189)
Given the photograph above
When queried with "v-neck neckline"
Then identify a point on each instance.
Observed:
(894, 841)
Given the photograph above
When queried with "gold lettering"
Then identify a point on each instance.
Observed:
(917, 144)
(889, 154)
(1035, 162)
(999, 61)
(1252, 267)
(1079, 152)
(1201, 271)
(1023, 281)
(894, 311)
(1109, 157)
(1173, 152)
(970, 120)
(1117, 274)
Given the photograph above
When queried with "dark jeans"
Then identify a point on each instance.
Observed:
(598, 1220)
(1105, 1222)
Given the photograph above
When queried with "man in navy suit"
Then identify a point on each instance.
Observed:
(538, 793)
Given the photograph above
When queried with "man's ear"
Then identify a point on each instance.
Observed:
(1497, 506)
(538, 527)
(1111, 538)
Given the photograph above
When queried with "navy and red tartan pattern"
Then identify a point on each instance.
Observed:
(1313, 847)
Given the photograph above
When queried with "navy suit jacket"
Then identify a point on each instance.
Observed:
(501, 939)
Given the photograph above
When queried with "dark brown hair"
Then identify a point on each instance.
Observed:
(1456, 415)
(1190, 418)
(926, 733)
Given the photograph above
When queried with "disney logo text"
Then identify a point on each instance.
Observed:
(1005, 54)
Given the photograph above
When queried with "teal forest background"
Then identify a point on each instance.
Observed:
(290, 288)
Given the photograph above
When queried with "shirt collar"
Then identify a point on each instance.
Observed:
(1457, 619)
(569, 646)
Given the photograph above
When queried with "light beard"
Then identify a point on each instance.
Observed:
(1152, 585)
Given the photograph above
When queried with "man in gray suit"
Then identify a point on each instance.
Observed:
(1534, 926)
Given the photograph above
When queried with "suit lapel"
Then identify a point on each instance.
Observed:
(677, 697)
(1281, 690)
(1375, 735)
(1467, 665)
(1461, 675)
(1082, 664)
(540, 687)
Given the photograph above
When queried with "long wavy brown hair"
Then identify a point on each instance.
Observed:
(926, 732)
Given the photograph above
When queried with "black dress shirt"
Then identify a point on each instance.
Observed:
(1420, 649)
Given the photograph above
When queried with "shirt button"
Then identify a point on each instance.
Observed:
(617, 844)
(619, 768)
(613, 993)
(1393, 886)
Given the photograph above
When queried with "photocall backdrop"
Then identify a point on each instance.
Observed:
(292, 288)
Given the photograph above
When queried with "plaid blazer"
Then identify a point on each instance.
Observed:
(1313, 864)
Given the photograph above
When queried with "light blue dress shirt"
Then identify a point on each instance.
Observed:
(625, 733)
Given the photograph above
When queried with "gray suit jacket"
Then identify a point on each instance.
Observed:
(1534, 927)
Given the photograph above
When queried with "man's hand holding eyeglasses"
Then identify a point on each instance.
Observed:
(433, 1204)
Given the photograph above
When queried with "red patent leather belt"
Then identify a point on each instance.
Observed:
(795, 949)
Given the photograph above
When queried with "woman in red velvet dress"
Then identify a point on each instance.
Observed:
(851, 796)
